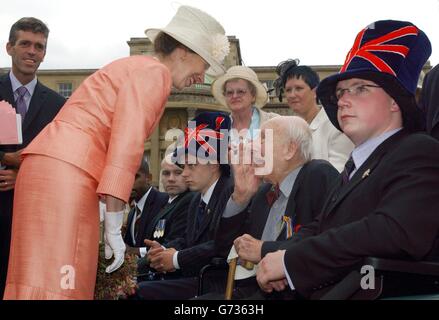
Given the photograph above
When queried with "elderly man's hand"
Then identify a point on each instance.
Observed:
(246, 182)
(7, 179)
(270, 274)
(163, 261)
(248, 248)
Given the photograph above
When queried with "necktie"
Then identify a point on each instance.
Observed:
(200, 213)
(272, 195)
(348, 168)
(137, 221)
(21, 103)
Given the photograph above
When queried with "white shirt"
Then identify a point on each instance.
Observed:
(140, 205)
(205, 198)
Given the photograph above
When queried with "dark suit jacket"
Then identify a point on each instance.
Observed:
(429, 101)
(155, 201)
(175, 215)
(307, 196)
(196, 249)
(43, 107)
(389, 209)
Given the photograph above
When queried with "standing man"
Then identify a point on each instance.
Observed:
(37, 105)
(387, 201)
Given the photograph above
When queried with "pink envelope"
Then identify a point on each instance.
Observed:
(10, 125)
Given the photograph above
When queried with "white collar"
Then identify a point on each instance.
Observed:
(17, 84)
(142, 200)
(208, 194)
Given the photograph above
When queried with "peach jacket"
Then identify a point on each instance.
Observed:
(103, 126)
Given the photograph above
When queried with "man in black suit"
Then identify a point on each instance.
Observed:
(170, 223)
(147, 204)
(206, 172)
(253, 213)
(387, 201)
(171, 220)
(38, 106)
(429, 101)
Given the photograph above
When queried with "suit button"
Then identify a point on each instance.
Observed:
(334, 198)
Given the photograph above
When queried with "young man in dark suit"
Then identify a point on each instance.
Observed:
(386, 203)
(205, 171)
(292, 195)
(170, 223)
(171, 220)
(147, 204)
(37, 105)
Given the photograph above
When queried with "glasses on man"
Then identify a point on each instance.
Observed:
(356, 90)
(238, 92)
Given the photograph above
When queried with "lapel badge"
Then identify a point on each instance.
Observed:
(366, 174)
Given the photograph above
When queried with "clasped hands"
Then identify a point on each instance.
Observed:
(160, 258)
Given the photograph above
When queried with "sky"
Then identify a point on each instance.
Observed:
(88, 34)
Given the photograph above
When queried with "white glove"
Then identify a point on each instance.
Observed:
(108, 251)
(113, 234)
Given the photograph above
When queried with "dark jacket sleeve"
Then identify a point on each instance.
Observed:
(179, 220)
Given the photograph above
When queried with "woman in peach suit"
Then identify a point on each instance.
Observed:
(92, 149)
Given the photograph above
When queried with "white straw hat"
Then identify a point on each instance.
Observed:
(199, 32)
(240, 72)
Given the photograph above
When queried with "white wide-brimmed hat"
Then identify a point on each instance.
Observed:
(199, 32)
(240, 72)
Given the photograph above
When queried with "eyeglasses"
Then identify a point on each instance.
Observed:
(238, 92)
(356, 90)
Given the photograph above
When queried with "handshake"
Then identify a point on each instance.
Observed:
(114, 244)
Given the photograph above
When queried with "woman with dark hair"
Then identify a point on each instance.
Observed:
(298, 84)
(93, 149)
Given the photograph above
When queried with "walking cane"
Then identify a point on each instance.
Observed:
(231, 279)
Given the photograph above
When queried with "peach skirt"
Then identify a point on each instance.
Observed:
(55, 232)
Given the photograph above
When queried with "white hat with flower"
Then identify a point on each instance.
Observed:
(199, 32)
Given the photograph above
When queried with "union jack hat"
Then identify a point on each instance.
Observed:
(391, 54)
(206, 137)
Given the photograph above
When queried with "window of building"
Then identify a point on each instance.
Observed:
(65, 89)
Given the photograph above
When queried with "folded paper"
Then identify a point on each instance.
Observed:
(10, 125)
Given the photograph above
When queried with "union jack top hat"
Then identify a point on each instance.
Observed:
(206, 137)
(390, 53)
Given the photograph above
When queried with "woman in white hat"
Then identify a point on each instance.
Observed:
(299, 84)
(239, 89)
(92, 149)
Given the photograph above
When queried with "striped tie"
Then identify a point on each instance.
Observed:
(348, 168)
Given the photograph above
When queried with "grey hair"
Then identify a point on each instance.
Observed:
(297, 131)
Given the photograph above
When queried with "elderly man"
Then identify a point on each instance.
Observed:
(293, 195)
(386, 203)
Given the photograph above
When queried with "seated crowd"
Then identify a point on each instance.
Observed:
(294, 224)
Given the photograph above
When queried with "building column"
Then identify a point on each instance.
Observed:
(191, 113)
(154, 161)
